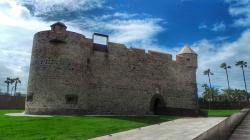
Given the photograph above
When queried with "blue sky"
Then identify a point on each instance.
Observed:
(218, 30)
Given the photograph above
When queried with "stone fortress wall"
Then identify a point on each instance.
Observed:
(69, 76)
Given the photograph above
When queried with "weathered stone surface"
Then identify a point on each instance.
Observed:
(67, 76)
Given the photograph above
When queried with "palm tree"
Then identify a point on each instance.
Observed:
(209, 73)
(205, 86)
(243, 65)
(16, 81)
(226, 67)
(8, 81)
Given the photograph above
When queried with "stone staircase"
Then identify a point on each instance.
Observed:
(242, 132)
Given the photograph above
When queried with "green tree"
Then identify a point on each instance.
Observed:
(205, 86)
(209, 94)
(235, 95)
(8, 81)
(209, 73)
(240, 94)
(226, 67)
(16, 81)
(242, 65)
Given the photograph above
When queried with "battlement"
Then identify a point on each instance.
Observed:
(160, 55)
(137, 50)
(59, 34)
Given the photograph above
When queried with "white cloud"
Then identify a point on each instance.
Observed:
(219, 27)
(129, 29)
(18, 26)
(202, 26)
(42, 7)
(134, 30)
(118, 15)
(212, 54)
(240, 10)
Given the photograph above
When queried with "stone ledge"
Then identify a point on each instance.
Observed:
(223, 130)
(180, 129)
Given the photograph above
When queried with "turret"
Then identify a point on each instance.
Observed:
(58, 34)
(188, 57)
(58, 27)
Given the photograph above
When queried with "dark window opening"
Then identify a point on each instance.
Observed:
(30, 98)
(188, 59)
(88, 61)
(100, 42)
(57, 41)
(71, 99)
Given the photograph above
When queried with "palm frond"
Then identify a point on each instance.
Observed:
(223, 65)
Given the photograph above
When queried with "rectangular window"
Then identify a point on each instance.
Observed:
(71, 99)
(100, 42)
(29, 97)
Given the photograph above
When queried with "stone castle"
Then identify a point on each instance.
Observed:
(72, 74)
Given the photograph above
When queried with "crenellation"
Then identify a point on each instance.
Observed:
(164, 56)
(137, 51)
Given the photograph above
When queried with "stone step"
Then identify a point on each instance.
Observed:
(239, 137)
(244, 127)
(244, 124)
(242, 131)
(246, 121)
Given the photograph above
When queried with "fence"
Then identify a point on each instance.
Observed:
(223, 105)
(12, 102)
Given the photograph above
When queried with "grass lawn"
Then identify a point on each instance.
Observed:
(68, 127)
(222, 112)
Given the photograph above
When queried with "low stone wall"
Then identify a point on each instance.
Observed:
(12, 102)
(180, 112)
(223, 105)
(223, 130)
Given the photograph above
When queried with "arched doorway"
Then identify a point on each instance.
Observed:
(157, 105)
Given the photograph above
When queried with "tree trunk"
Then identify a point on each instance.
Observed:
(209, 80)
(245, 83)
(210, 87)
(228, 86)
(15, 88)
(8, 88)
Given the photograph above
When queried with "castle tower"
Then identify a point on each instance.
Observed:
(188, 58)
(56, 71)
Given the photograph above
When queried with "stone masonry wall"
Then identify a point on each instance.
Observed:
(69, 77)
